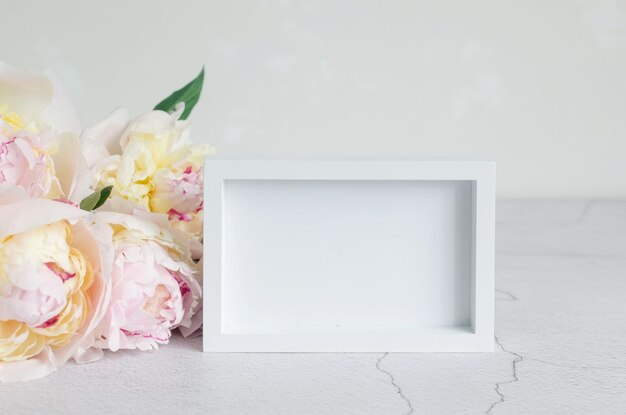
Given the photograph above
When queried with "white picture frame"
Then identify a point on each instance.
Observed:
(349, 256)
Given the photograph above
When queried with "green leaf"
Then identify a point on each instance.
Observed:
(189, 94)
(104, 195)
(96, 199)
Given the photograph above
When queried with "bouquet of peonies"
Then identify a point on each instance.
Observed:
(100, 229)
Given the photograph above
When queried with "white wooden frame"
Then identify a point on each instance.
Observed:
(477, 338)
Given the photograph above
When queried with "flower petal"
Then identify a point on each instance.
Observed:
(61, 113)
(95, 244)
(23, 370)
(27, 93)
(33, 213)
(71, 169)
(103, 139)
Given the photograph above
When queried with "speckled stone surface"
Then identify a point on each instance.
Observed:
(560, 333)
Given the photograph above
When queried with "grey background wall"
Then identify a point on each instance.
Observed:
(538, 86)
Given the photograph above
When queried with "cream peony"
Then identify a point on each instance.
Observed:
(150, 162)
(153, 286)
(53, 284)
(37, 121)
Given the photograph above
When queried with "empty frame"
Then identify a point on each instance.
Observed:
(322, 256)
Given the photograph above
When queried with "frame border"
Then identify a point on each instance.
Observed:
(479, 339)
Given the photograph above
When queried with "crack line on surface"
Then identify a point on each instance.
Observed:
(511, 296)
(393, 382)
(518, 358)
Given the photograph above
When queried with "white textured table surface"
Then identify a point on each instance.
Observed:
(561, 346)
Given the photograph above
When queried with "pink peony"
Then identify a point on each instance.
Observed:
(40, 150)
(54, 284)
(26, 162)
(178, 194)
(153, 286)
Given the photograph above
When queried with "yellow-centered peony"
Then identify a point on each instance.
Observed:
(157, 168)
(44, 284)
